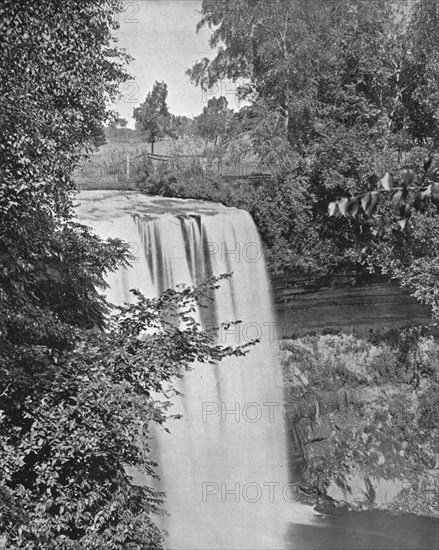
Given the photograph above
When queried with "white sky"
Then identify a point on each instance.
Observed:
(161, 36)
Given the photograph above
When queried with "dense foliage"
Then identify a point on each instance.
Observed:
(339, 93)
(64, 462)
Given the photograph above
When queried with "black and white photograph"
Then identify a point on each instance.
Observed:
(219, 274)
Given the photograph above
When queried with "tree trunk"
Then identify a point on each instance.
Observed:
(152, 147)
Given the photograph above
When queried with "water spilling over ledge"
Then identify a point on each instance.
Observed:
(224, 466)
(108, 205)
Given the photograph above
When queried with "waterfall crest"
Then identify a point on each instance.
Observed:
(224, 465)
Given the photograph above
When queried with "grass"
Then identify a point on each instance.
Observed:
(107, 169)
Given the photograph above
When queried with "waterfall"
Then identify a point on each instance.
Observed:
(224, 465)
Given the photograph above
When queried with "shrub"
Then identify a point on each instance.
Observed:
(63, 466)
(429, 407)
(179, 179)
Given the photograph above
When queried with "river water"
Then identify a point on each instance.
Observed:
(374, 530)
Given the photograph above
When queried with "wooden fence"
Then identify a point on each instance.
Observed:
(126, 172)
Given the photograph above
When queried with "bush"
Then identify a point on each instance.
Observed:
(429, 407)
(189, 181)
(385, 365)
(63, 466)
(402, 358)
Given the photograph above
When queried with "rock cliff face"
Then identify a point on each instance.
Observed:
(315, 303)
(364, 426)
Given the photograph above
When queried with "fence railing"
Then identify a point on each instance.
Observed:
(125, 172)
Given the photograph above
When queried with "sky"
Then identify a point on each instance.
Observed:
(161, 36)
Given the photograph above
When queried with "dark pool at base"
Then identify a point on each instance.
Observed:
(366, 531)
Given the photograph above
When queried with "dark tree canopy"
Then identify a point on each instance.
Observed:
(58, 70)
(54, 102)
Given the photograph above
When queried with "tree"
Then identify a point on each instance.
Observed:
(53, 103)
(340, 92)
(182, 126)
(116, 129)
(211, 125)
(153, 119)
(53, 106)
(98, 139)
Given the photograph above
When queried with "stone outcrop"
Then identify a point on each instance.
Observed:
(339, 302)
(356, 437)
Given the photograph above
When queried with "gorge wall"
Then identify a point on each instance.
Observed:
(362, 417)
(305, 304)
(363, 422)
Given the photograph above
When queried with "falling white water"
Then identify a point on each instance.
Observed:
(224, 465)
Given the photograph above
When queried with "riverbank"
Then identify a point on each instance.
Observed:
(363, 419)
